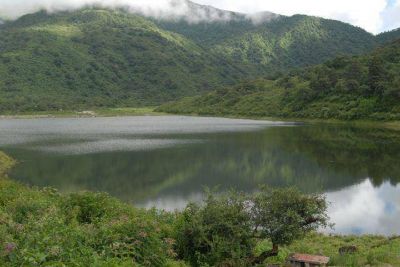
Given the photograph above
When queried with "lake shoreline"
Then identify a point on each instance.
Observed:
(90, 113)
(151, 111)
(393, 125)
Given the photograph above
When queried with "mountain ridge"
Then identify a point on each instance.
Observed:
(96, 57)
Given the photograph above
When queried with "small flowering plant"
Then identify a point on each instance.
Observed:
(9, 248)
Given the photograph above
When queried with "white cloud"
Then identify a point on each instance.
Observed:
(166, 9)
(16, 8)
(391, 16)
(372, 15)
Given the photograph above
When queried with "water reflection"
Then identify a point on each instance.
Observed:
(24, 131)
(363, 208)
(166, 161)
(101, 146)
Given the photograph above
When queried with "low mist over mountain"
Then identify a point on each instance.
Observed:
(97, 56)
(157, 9)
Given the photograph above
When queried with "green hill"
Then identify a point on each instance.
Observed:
(363, 87)
(101, 58)
(96, 57)
(386, 37)
(277, 42)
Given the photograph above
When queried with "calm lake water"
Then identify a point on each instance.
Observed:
(166, 161)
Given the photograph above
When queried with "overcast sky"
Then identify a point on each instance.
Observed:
(373, 15)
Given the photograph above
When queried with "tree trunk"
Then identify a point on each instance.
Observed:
(271, 253)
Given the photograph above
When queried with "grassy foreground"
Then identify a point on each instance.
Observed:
(41, 227)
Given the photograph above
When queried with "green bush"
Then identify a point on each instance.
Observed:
(217, 233)
(42, 227)
(226, 229)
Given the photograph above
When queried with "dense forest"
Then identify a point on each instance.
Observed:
(280, 42)
(94, 57)
(358, 87)
(101, 58)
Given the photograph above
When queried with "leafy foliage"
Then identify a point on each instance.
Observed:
(225, 230)
(286, 215)
(218, 233)
(5, 163)
(42, 227)
(363, 87)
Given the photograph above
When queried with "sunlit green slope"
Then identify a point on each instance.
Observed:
(98, 57)
(277, 42)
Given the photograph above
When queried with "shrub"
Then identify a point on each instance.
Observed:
(217, 233)
(225, 230)
(285, 215)
(42, 227)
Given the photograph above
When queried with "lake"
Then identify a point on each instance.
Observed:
(166, 161)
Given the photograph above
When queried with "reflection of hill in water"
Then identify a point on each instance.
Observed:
(357, 152)
(310, 157)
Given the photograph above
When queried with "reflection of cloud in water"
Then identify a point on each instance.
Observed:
(90, 147)
(364, 209)
(359, 209)
(171, 203)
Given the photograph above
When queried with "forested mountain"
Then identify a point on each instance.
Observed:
(277, 42)
(97, 57)
(358, 87)
(100, 57)
(386, 37)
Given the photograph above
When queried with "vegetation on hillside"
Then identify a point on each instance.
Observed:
(347, 88)
(94, 58)
(388, 36)
(279, 43)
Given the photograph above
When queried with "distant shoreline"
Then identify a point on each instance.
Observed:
(151, 111)
(109, 112)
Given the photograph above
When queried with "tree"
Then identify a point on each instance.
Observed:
(376, 71)
(393, 90)
(322, 79)
(354, 71)
(216, 233)
(225, 230)
(284, 215)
